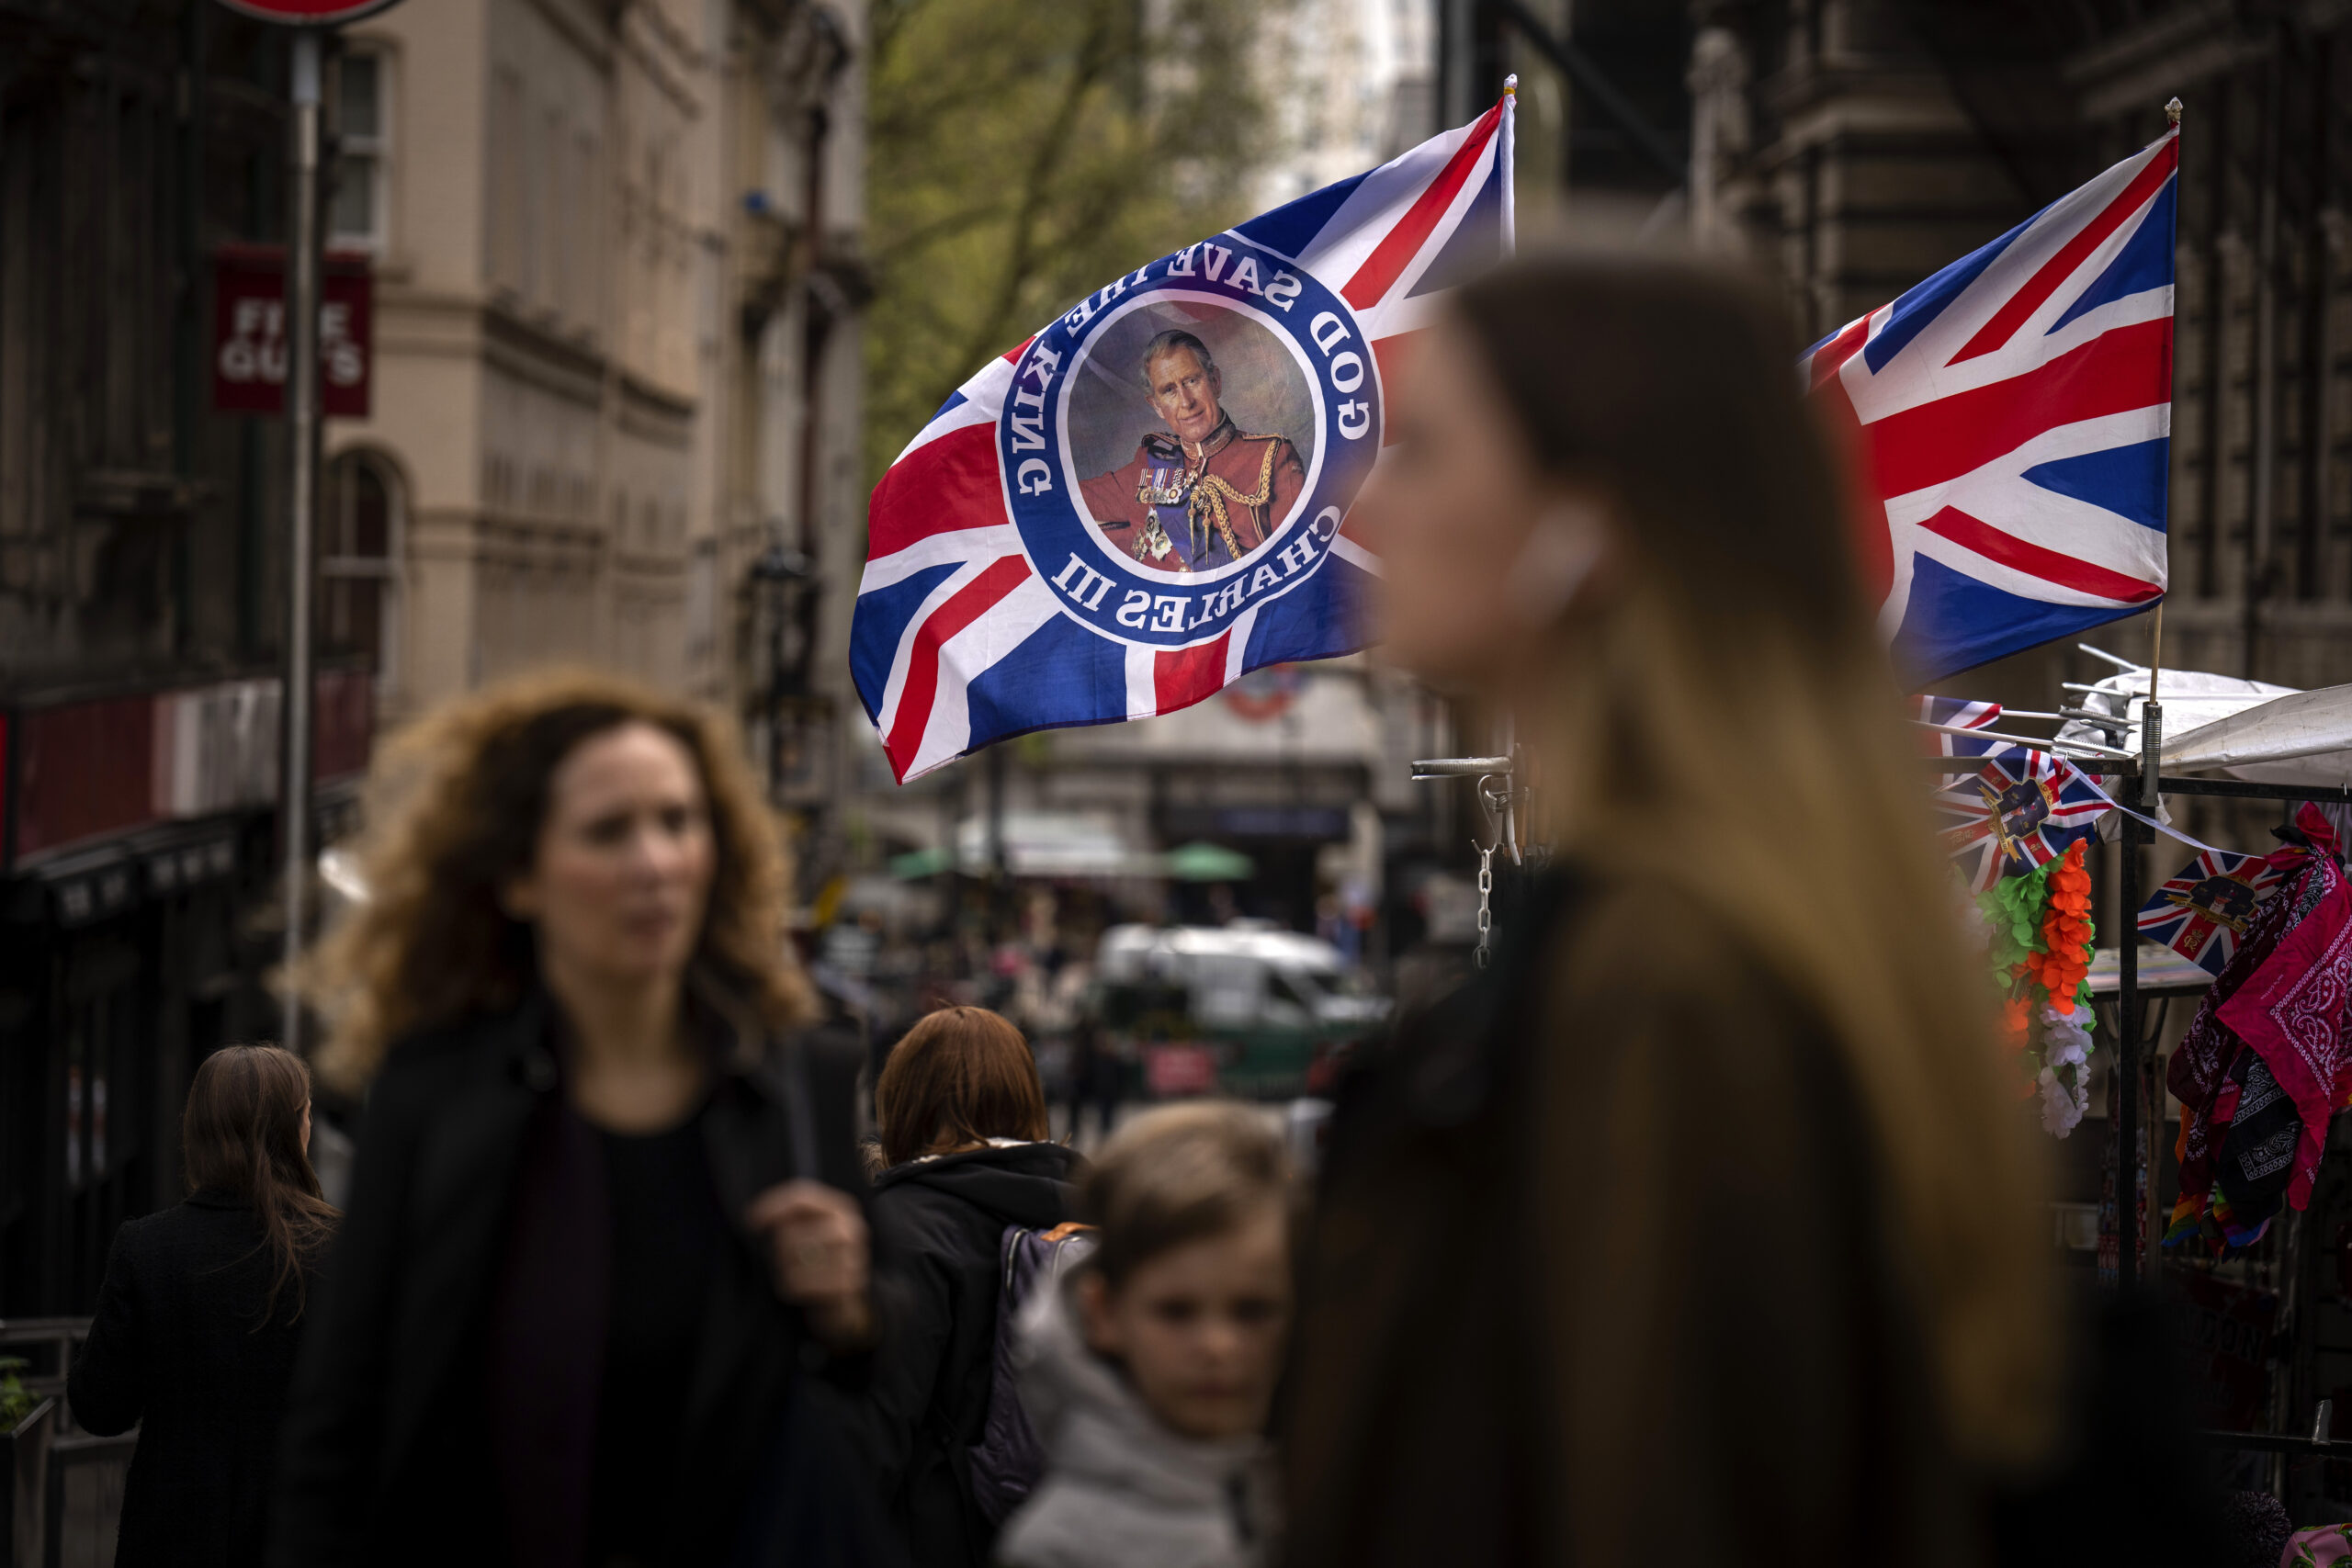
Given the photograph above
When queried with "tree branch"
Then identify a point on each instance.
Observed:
(996, 324)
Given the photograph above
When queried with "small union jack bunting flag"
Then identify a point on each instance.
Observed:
(2021, 810)
(1956, 711)
(2203, 910)
(1961, 715)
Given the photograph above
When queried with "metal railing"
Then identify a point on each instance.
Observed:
(85, 1503)
(81, 1505)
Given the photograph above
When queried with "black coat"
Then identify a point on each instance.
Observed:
(179, 1344)
(939, 1228)
(422, 1396)
(1596, 1276)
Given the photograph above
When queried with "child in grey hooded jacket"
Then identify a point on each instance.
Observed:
(1148, 1375)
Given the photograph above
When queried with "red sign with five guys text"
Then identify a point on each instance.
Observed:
(249, 337)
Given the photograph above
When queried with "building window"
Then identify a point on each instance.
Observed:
(360, 564)
(359, 216)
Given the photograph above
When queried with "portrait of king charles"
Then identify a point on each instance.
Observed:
(1201, 493)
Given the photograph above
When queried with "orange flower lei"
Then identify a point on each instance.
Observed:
(2038, 928)
(2066, 932)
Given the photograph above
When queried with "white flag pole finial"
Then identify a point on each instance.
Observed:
(1507, 152)
(2172, 111)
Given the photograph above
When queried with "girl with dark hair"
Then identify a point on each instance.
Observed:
(197, 1320)
(964, 1131)
(1706, 1226)
(604, 1278)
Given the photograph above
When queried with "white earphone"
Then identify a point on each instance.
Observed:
(1562, 549)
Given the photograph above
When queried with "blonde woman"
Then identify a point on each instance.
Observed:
(1708, 1231)
(599, 1218)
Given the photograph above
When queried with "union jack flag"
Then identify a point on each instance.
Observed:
(2018, 812)
(2012, 416)
(2206, 905)
(1961, 714)
(1957, 711)
(1000, 596)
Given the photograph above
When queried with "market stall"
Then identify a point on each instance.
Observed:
(2260, 945)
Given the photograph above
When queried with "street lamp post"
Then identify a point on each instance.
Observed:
(303, 436)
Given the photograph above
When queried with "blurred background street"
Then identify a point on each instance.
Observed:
(639, 298)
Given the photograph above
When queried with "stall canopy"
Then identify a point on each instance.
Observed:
(1052, 843)
(1069, 844)
(916, 865)
(2249, 729)
(2304, 738)
(1205, 861)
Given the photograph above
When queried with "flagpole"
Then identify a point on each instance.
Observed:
(2156, 653)
(2143, 1151)
(1505, 821)
(1508, 154)
(2156, 638)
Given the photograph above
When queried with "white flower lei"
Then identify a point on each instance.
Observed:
(2066, 1072)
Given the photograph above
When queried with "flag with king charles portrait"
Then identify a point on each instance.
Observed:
(1149, 498)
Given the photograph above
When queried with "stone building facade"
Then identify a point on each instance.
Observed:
(613, 420)
(139, 580)
(615, 415)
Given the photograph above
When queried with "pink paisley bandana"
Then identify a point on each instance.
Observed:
(2284, 998)
(2292, 1013)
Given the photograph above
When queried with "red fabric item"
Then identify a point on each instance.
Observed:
(2314, 825)
(2290, 1011)
(2199, 1074)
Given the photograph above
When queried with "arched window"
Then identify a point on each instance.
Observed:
(359, 563)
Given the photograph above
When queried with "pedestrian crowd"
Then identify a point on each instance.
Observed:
(1699, 1228)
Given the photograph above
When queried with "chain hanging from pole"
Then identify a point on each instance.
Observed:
(1485, 955)
(1500, 792)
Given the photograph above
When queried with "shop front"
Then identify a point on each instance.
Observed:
(137, 929)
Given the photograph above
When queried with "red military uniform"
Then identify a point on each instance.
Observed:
(1173, 511)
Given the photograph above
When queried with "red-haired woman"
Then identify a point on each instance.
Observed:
(964, 1133)
(199, 1315)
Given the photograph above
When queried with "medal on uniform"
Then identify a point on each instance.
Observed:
(1166, 490)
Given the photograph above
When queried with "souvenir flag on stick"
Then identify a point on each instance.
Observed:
(1149, 498)
(1956, 714)
(2010, 417)
(2020, 811)
(2207, 905)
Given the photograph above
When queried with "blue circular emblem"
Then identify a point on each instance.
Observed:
(1181, 446)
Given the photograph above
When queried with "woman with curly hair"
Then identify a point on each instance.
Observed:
(599, 1222)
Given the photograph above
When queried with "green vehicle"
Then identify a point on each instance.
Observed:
(1255, 1013)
